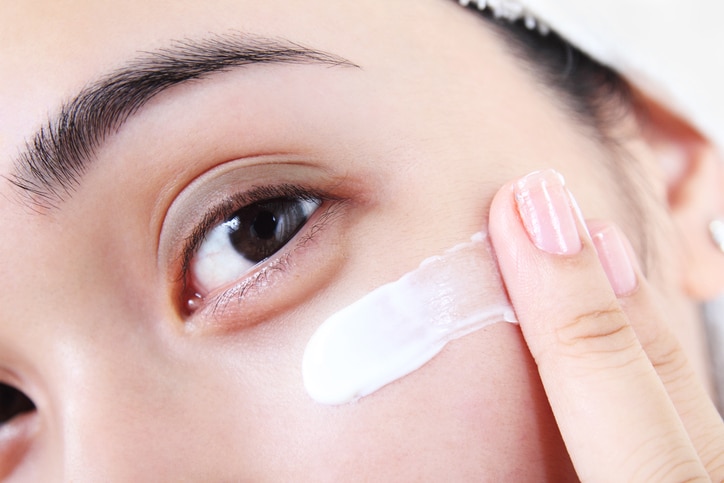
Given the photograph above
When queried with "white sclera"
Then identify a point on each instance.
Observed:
(400, 326)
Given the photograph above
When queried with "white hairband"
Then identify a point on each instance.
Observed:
(674, 54)
(510, 10)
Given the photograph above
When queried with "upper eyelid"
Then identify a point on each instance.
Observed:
(214, 195)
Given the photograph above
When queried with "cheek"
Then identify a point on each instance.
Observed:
(476, 411)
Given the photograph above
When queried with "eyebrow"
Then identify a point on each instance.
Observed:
(51, 165)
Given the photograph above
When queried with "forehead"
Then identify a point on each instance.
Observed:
(50, 50)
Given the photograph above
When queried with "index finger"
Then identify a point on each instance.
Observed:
(612, 409)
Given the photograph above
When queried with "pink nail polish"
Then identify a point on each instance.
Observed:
(615, 259)
(547, 211)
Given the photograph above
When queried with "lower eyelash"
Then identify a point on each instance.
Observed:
(236, 293)
(326, 217)
(279, 265)
(219, 213)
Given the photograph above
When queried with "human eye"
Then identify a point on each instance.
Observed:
(227, 251)
(13, 403)
(15, 427)
(255, 238)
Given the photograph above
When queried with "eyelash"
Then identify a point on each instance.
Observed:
(222, 211)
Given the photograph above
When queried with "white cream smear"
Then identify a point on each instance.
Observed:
(398, 327)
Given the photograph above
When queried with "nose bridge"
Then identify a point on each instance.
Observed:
(79, 306)
(96, 358)
(100, 391)
(83, 396)
(125, 409)
(108, 381)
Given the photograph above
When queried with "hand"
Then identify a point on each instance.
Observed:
(625, 399)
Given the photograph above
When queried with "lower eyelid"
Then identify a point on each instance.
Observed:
(280, 282)
(218, 261)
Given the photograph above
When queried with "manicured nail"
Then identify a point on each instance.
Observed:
(547, 210)
(615, 259)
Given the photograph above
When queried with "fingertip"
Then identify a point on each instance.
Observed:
(616, 256)
(513, 248)
(536, 216)
(547, 210)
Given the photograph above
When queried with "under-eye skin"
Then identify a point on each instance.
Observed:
(244, 232)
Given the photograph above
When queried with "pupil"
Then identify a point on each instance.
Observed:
(265, 225)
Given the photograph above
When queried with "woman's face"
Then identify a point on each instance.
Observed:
(404, 143)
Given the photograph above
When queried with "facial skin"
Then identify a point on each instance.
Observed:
(410, 147)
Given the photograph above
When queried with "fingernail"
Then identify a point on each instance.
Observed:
(615, 259)
(547, 208)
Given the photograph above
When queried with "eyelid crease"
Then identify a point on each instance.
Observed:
(214, 196)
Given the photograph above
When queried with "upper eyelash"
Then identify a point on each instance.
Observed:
(223, 210)
(237, 292)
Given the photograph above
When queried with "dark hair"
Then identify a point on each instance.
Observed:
(594, 93)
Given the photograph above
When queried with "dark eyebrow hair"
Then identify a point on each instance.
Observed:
(49, 169)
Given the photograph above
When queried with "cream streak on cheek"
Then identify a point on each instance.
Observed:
(398, 327)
